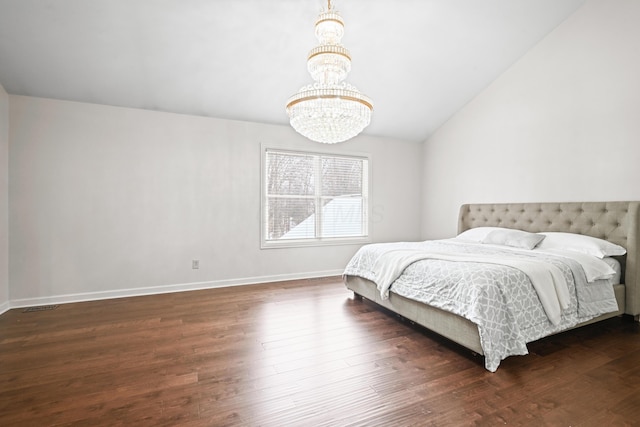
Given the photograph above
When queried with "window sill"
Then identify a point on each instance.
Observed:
(301, 243)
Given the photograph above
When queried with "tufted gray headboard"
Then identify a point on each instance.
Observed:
(617, 222)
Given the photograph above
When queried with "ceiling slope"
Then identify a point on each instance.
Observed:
(420, 60)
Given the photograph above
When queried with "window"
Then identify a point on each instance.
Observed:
(313, 198)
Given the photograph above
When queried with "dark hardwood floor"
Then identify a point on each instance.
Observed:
(295, 353)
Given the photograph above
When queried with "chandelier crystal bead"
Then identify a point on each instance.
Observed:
(329, 110)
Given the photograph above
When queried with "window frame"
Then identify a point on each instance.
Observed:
(315, 241)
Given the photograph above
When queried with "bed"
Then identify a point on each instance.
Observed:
(614, 222)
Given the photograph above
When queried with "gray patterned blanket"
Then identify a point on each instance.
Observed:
(500, 299)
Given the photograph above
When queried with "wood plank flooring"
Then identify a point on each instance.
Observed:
(295, 354)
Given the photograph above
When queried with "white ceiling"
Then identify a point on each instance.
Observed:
(420, 60)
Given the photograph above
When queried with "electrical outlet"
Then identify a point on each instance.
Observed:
(195, 264)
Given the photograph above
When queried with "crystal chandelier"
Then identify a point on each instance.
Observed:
(329, 110)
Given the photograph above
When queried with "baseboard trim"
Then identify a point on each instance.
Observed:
(134, 292)
(4, 307)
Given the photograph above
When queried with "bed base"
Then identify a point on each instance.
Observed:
(449, 325)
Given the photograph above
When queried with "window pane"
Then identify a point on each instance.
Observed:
(342, 217)
(290, 218)
(341, 176)
(310, 197)
(290, 174)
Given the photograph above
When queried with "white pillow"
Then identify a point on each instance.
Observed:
(514, 238)
(477, 234)
(501, 236)
(581, 243)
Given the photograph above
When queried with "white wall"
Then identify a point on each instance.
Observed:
(4, 200)
(109, 201)
(562, 124)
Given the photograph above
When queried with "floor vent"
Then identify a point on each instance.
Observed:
(40, 308)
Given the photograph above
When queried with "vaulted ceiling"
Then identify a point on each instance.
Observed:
(420, 60)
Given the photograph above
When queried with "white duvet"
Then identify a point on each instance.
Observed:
(504, 291)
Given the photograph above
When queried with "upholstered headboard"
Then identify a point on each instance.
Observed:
(617, 222)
